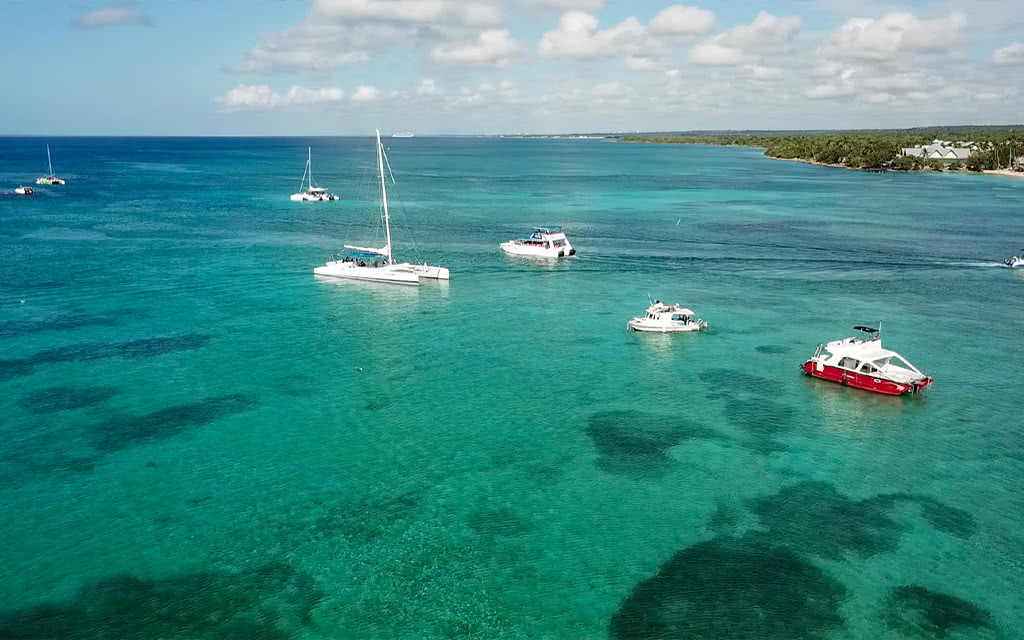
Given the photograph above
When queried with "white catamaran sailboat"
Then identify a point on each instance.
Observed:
(378, 265)
(313, 193)
(49, 178)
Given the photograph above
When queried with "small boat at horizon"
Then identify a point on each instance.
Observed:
(544, 242)
(313, 193)
(23, 191)
(667, 318)
(50, 178)
(1015, 262)
(864, 364)
(378, 265)
(402, 134)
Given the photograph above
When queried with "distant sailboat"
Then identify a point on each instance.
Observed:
(49, 178)
(378, 265)
(312, 193)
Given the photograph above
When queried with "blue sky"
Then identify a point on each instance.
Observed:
(339, 67)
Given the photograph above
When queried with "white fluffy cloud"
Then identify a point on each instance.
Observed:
(711, 53)
(894, 33)
(494, 46)
(766, 31)
(743, 43)
(458, 12)
(111, 17)
(365, 94)
(578, 36)
(567, 5)
(337, 33)
(262, 97)
(1009, 55)
(681, 20)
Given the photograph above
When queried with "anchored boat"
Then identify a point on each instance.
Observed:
(378, 265)
(312, 193)
(864, 364)
(50, 178)
(544, 242)
(667, 318)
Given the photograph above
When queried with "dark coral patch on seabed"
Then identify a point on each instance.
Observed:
(731, 589)
(919, 613)
(250, 605)
(127, 430)
(635, 442)
(815, 518)
(133, 349)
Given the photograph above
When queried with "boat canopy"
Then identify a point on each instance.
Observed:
(865, 329)
(366, 256)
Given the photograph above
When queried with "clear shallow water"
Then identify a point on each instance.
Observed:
(203, 440)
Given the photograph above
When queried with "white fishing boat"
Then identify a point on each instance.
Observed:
(49, 178)
(667, 318)
(1015, 262)
(23, 191)
(312, 193)
(544, 242)
(379, 265)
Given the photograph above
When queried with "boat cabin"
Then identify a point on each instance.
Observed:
(867, 357)
(547, 238)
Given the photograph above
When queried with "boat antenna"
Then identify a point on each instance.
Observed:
(878, 334)
(650, 300)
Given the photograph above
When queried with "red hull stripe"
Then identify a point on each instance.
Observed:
(862, 381)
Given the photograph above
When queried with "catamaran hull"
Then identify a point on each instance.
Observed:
(50, 181)
(515, 249)
(862, 381)
(301, 197)
(426, 271)
(349, 271)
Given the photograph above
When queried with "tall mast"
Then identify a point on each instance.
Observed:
(309, 165)
(384, 196)
(48, 161)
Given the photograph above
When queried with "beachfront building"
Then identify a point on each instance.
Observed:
(944, 151)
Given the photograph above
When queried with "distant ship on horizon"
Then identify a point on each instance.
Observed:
(402, 134)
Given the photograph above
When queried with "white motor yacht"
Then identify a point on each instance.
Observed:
(23, 191)
(667, 318)
(544, 242)
(50, 178)
(312, 193)
(379, 265)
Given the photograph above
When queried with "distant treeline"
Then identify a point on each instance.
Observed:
(871, 150)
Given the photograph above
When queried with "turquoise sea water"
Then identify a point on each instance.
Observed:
(203, 440)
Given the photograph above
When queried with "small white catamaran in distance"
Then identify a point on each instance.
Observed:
(49, 178)
(312, 193)
(378, 265)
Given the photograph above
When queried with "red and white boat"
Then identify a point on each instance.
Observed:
(864, 364)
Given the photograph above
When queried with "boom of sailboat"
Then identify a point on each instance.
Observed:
(378, 264)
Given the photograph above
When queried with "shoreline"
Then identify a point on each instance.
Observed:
(1006, 173)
